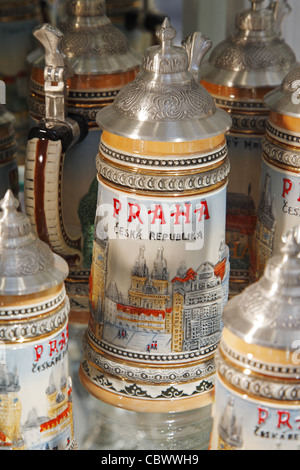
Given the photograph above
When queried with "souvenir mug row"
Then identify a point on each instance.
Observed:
(162, 187)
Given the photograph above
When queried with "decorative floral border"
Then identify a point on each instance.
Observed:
(22, 331)
(147, 374)
(148, 358)
(157, 392)
(254, 385)
(163, 184)
(281, 155)
(167, 163)
(39, 308)
(277, 370)
(288, 139)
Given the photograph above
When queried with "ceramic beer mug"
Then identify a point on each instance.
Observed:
(279, 185)
(93, 61)
(36, 391)
(257, 388)
(241, 70)
(159, 277)
(9, 177)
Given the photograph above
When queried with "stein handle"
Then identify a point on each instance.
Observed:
(196, 45)
(46, 149)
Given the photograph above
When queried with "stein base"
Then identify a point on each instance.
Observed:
(146, 406)
(116, 429)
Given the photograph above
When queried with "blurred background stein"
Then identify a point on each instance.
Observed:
(35, 387)
(137, 19)
(17, 20)
(279, 185)
(240, 71)
(257, 388)
(9, 177)
(81, 71)
(159, 277)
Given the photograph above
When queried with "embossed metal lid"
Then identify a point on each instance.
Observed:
(27, 265)
(286, 98)
(165, 102)
(255, 55)
(268, 312)
(91, 43)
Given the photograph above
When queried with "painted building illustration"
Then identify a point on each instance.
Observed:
(163, 313)
(241, 222)
(147, 307)
(97, 290)
(37, 432)
(264, 235)
(10, 409)
(199, 302)
(230, 429)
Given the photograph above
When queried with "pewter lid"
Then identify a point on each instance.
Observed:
(165, 102)
(91, 43)
(27, 265)
(268, 312)
(286, 98)
(255, 55)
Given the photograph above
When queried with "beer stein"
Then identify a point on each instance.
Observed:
(36, 391)
(9, 177)
(93, 61)
(280, 178)
(257, 388)
(17, 19)
(240, 72)
(159, 277)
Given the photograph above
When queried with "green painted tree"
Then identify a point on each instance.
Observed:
(87, 212)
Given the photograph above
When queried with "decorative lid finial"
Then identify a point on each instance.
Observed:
(166, 34)
(13, 224)
(9, 203)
